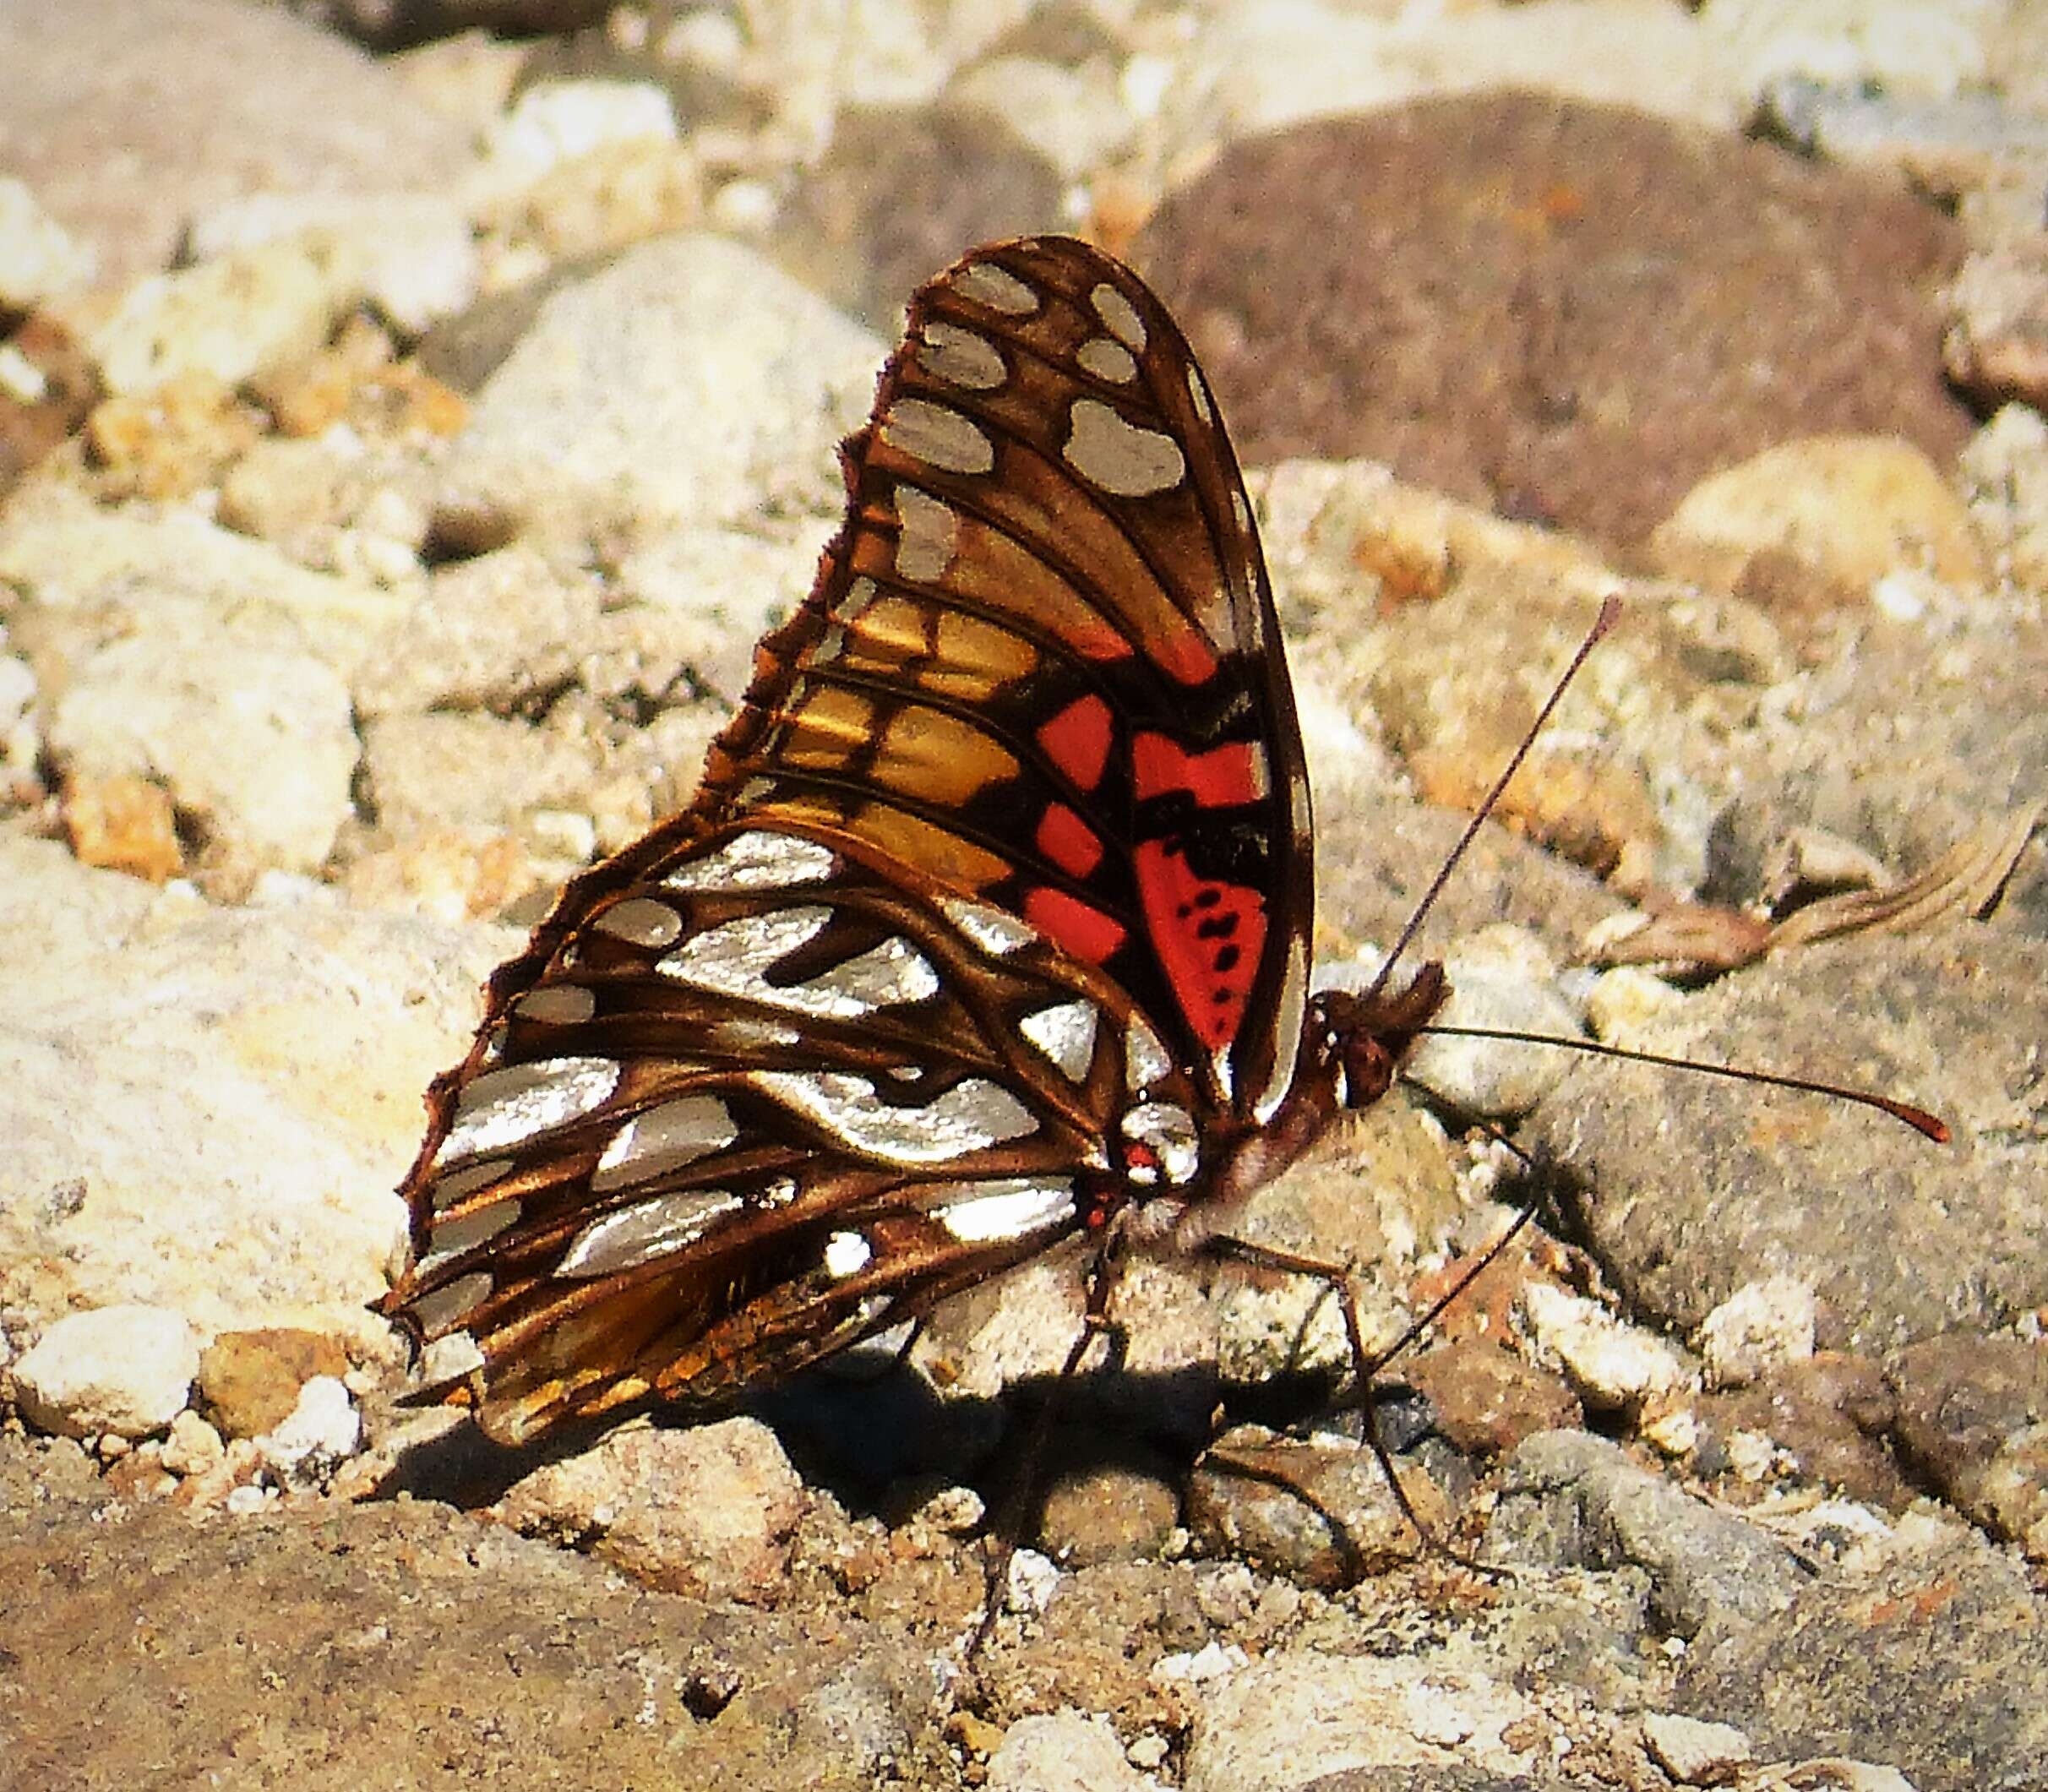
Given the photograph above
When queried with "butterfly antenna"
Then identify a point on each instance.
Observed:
(1610, 611)
(1929, 1125)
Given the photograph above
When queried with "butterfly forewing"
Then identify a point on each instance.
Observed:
(990, 917)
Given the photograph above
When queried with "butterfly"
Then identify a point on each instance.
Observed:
(987, 929)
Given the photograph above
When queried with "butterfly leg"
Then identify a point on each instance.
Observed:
(1365, 1367)
(1095, 1322)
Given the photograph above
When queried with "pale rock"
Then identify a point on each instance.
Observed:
(1065, 1751)
(125, 1370)
(1762, 1325)
(1850, 508)
(687, 382)
(417, 252)
(322, 1429)
(232, 318)
(38, 257)
(1608, 1363)
(1502, 977)
(276, 1058)
(1694, 1752)
(710, 1511)
(194, 1447)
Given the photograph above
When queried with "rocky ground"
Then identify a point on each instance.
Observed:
(405, 432)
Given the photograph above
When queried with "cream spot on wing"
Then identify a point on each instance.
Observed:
(1120, 317)
(998, 288)
(664, 1138)
(559, 1005)
(943, 438)
(1120, 457)
(1107, 360)
(640, 920)
(929, 535)
(509, 1106)
(1198, 392)
(961, 358)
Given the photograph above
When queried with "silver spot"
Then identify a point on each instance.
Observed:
(1120, 315)
(640, 921)
(646, 1231)
(1011, 1207)
(995, 932)
(1287, 1033)
(445, 1309)
(997, 288)
(751, 1035)
(1065, 1034)
(458, 1184)
(972, 1115)
(734, 957)
(1107, 360)
(1120, 457)
(1168, 1131)
(846, 1254)
(756, 860)
(450, 1238)
(1198, 391)
(664, 1138)
(449, 1358)
(893, 972)
(930, 535)
(961, 358)
(1145, 1059)
(509, 1106)
(944, 438)
(1240, 509)
(563, 1005)
(859, 595)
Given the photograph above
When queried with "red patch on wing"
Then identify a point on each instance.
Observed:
(1221, 778)
(1207, 937)
(1077, 741)
(1088, 933)
(1068, 840)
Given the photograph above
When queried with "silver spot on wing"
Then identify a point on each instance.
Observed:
(993, 931)
(445, 1309)
(756, 860)
(972, 1115)
(508, 1106)
(1065, 1034)
(1009, 1207)
(664, 1138)
(644, 1231)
